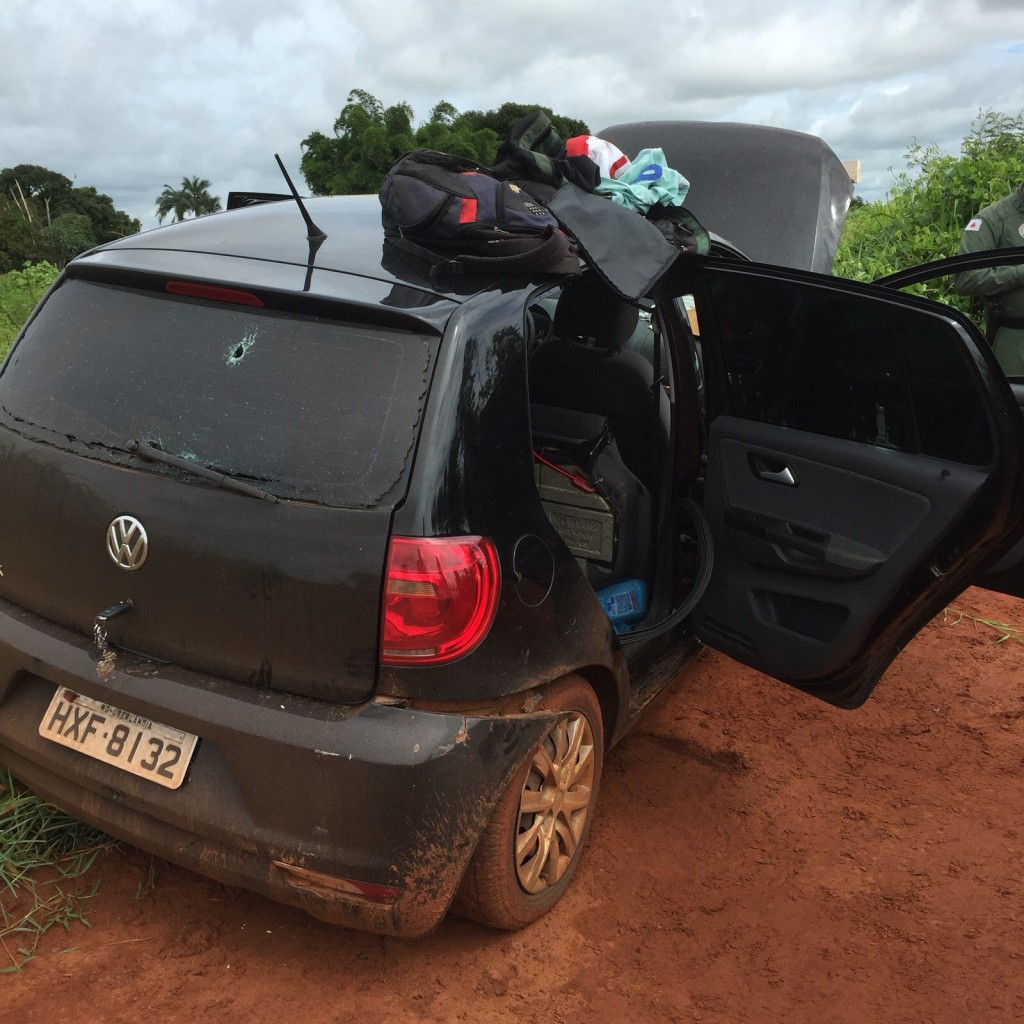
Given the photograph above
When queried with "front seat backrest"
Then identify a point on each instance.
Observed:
(584, 369)
(589, 311)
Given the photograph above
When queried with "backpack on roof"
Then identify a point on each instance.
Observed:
(453, 213)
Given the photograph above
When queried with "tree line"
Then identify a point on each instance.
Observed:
(45, 218)
(367, 138)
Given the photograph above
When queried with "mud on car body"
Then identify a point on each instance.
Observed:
(335, 580)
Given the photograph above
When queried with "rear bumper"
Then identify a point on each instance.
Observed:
(287, 796)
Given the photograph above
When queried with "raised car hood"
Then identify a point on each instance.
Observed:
(779, 196)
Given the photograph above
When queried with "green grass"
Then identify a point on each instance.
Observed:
(1004, 629)
(43, 855)
(20, 290)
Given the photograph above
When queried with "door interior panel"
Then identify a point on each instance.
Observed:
(813, 538)
(864, 459)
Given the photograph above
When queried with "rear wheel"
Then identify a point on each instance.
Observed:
(530, 849)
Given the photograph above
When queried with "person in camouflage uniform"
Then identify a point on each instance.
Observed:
(999, 226)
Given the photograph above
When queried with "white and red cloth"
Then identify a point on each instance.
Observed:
(638, 184)
(609, 159)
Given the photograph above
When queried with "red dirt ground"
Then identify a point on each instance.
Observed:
(757, 857)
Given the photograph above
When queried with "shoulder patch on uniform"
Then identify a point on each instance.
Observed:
(974, 224)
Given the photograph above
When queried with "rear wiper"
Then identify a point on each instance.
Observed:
(151, 454)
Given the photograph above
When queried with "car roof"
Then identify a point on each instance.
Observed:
(267, 244)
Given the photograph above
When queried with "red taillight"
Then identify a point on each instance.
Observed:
(440, 595)
(195, 290)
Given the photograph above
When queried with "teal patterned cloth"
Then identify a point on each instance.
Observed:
(646, 181)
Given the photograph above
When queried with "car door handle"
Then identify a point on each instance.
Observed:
(773, 471)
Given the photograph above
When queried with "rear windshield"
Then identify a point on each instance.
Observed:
(305, 408)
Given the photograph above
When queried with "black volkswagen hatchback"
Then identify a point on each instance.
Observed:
(335, 580)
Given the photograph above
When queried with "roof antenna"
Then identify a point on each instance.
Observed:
(313, 234)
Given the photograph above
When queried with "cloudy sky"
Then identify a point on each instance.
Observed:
(127, 95)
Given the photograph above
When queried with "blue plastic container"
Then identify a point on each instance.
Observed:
(625, 603)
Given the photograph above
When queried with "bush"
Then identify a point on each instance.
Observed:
(20, 290)
(931, 202)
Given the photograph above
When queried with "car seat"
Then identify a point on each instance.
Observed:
(585, 368)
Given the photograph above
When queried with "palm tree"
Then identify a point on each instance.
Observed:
(192, 198)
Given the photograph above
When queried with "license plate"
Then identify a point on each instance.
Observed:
(130, 742)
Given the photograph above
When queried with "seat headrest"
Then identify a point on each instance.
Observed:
(588, 310)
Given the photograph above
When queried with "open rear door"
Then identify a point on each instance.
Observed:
(864, 465)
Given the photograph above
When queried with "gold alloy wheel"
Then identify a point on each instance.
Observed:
(532, 844)
(555, 804)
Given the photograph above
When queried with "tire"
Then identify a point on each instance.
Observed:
(531, 847)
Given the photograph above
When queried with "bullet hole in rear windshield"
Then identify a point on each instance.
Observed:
(237, 352)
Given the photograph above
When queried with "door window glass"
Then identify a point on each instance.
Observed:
(846, 365)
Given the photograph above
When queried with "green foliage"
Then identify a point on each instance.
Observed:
(66, 236)
(500, 121)
(42, 854)
(44, 217)
(36, 183)
(20, 239)
(369, 137)
(192, 198)
(20, 290)
(107, 222)
(931, 202)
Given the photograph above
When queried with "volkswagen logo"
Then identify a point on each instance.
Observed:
(127, 543)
